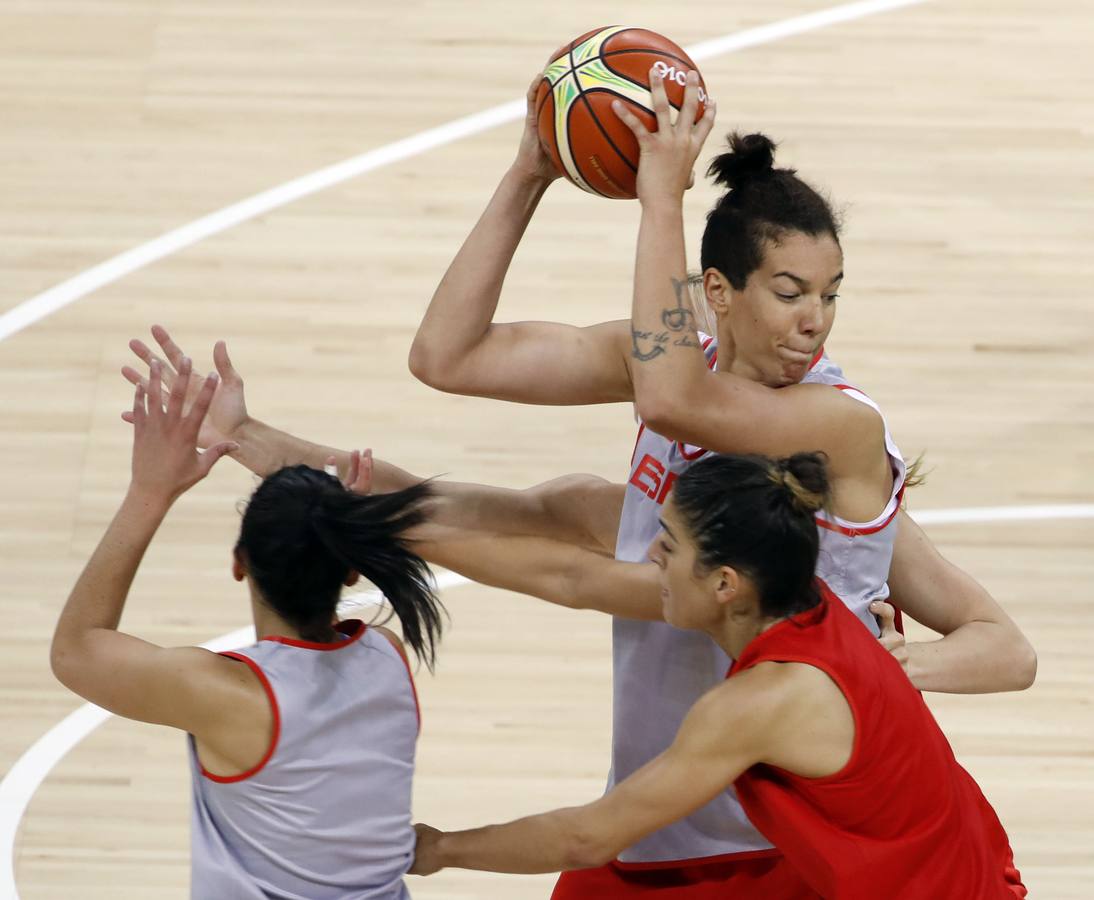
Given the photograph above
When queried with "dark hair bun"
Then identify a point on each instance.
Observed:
(805, 477)
(750, 156)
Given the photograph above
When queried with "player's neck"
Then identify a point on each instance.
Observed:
(735, 632)
(269, 624)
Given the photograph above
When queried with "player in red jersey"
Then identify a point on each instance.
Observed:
(833, 752)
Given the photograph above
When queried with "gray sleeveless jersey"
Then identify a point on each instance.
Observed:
(327, 814)
(660, 671)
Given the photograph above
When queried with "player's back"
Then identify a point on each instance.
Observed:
(902, 819)
(327, 814)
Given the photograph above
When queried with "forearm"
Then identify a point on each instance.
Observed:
(977, 658)
(264, 450)
(463, 306)
(666, 357)
(98, 598)
(550, 842)
(559, 573)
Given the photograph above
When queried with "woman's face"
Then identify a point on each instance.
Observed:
(687, 599)
(782, 317)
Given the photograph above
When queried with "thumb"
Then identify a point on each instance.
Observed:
(886, 615)
(209, 457)
(223, 363)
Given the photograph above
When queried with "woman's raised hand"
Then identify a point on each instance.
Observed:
(166, 461)
(532, 160)
(667, 156)
(227, 409)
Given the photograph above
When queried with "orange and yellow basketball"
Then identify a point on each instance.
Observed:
(577, 126)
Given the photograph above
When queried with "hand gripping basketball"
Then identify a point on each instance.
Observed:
(666, 157)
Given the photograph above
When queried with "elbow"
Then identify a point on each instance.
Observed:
(659, 414)
(423, 364)
(586, 851)
(1025, 665)
(62, 662)
(436, 369)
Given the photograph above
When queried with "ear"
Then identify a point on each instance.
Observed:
(239, 571)
(727, 583)
(718, 291)
(352, 578)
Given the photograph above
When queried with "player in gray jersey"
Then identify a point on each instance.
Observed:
(301, 745)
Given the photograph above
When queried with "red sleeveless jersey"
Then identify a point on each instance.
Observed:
(902, 819)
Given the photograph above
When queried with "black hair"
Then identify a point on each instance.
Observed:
(302, 535)
(762, 204)
(755, 515)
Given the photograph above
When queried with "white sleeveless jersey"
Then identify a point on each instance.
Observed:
(326, 814)
(660, 671)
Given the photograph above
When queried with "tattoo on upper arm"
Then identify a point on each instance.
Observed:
(676, 319)
(679, 318)
(659, 341)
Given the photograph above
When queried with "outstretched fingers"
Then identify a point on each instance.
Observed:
(144, 354)
(661, 107)
(703, 127)
(632, 121)
(170, 349)
(139, 413)
(177, 396)
(197, 413)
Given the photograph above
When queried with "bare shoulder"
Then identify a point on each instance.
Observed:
(392, 638)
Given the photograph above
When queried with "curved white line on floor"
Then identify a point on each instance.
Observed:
(50, 301)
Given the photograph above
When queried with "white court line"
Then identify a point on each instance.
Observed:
(20, 783)
(50, 301)
(1004, 513)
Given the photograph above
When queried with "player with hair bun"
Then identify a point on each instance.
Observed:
(832, 751)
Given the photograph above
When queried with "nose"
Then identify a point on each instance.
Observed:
(812, 320)
(651, 551)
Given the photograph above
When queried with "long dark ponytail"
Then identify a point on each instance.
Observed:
(303, 533)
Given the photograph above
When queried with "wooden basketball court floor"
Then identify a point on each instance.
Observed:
(957, 136)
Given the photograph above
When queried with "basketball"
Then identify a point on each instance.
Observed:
(577, 126)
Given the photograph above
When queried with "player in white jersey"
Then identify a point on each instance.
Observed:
(301, 745)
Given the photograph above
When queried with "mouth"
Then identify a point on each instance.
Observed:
(796, 357)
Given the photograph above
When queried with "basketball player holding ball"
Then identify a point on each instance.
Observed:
(772, 266)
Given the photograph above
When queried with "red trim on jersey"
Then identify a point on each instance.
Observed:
(854, 531)
(634, 452)
(398, 648)
(691, 457)
(697, 861)
(353, 629)
(254, 770)
(817, 356)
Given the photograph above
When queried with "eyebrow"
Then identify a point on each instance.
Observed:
(802, 282)
(666, 529)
